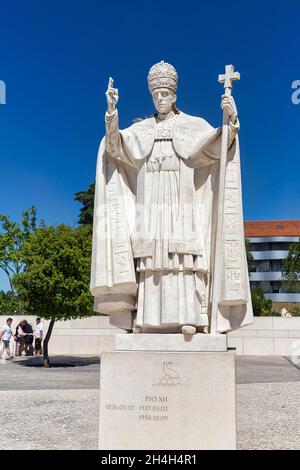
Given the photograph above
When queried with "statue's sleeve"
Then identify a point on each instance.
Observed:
(113, 140)
(208, 150)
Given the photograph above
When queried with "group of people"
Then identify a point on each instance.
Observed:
(26, 338)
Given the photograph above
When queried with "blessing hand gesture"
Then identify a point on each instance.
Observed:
(112, 96)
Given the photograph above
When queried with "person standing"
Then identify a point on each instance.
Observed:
(28, 339)
(38, 335)
(5, 336)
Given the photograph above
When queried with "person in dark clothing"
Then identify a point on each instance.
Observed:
(28, 338)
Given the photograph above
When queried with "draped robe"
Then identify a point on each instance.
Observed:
(154, 225)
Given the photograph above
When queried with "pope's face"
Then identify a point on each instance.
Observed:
(163, 100)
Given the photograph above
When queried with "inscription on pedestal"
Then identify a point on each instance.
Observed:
(151, 408)
(167, 401)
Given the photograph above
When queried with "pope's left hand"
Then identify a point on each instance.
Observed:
(228, 105)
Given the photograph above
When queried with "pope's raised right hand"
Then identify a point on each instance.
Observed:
(112, 96)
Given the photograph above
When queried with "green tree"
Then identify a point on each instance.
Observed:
(13, 235)
(261, 306)
(9, 303)
(55, 279)
(291, 268)
(86, 198)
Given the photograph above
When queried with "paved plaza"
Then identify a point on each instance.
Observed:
(57, 408)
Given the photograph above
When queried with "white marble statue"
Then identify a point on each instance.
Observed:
(155, 219)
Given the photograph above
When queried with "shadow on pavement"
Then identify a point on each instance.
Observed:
(57, 361)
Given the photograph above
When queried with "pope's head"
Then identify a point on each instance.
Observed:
(162, 83)
(164, 99)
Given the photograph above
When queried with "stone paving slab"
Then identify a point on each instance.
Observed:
(49, 419)
(269, 416)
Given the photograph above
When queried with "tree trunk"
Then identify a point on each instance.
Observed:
(45, 344)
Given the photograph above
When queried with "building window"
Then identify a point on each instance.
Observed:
(276, 266)
(260, 246)
(263, 267)
(253, 268)
(275, 287)
(254, 284)
(280, 246)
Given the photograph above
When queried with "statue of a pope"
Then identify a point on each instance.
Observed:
(155, 218)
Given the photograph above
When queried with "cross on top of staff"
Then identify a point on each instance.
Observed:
(228, 77)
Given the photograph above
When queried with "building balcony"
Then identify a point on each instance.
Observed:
(269, 255)
(284, 297)
(266, 276)
(272, 239)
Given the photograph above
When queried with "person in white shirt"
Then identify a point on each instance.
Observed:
(5, 335)
(38, 335)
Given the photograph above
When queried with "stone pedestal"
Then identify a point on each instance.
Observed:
(170, 342)
(167, 400)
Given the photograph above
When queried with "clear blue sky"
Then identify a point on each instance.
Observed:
(56, 56)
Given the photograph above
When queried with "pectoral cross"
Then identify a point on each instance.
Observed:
(228, 77)
(161, 158)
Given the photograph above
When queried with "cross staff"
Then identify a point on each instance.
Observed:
(227, 79)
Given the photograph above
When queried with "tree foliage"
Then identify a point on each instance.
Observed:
(55, 279)
(9, 303)
(86, 198)
(261, 306)
(291, 268)
(13, 235)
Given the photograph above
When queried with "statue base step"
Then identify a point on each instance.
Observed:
(170, 342)
(167, 401)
